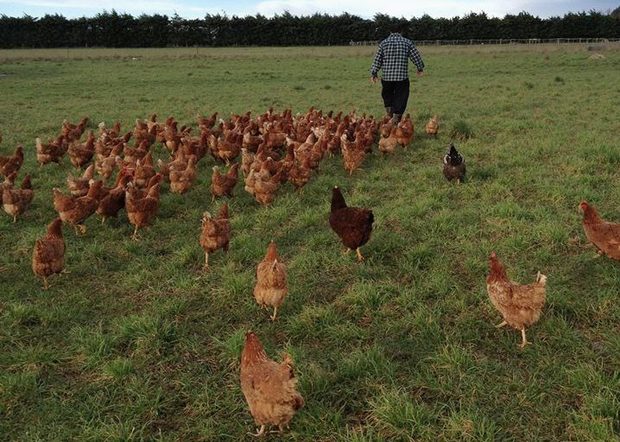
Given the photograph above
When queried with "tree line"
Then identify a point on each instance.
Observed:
(111, 29)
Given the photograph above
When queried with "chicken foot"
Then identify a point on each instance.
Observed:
(80, 229)
(360, 258)
(259, 432)
(275, 312)
(501, 325)
(135, 234)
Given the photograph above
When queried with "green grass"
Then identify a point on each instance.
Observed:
(137, 343)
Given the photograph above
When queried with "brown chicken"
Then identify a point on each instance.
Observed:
(12, 163)
(182, 181)
(132, 154)
(251, 137)
(158, 178)
(215, 233)
(79, 186)
(227, 148)
(432, 127)
(205, 123)
(274, 137)
(247, 158)
(114, 200)
(74, 210)
(353, 152)
(51, 152)
(603, 234)
(9, 181)
(520, 305)
(145, 131)
(195, 146)
(223, 185)
(404, 131)
(109, 165)
(82, 153)
(179, 164)
(300, 173)
(269, 388)
(73, 132)
(266, 185)
(16, 201)
(352, 224)
(271, 287)
(250, 181)
(152, 122)
(48, 256)
(105, 165)
(388, 143)
(141, 210)
(144, 171)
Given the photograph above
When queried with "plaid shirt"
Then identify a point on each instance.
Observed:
(392, 56)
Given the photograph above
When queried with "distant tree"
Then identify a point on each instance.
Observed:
(523, 25)
(616, 13)
(150, 30)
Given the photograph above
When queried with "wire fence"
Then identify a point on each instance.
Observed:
(497, 41)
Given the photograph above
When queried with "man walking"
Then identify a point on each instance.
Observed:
(393, 57)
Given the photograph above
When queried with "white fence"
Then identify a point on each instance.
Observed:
(498, 41)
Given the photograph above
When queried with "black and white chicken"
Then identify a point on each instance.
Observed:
(454, 165)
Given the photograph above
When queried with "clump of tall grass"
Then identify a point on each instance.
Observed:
(461, 130)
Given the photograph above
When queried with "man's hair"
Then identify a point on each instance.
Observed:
(399, 26)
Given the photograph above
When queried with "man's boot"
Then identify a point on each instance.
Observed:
(388, 111)
(396, 118)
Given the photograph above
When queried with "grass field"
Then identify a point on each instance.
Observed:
(138, 343)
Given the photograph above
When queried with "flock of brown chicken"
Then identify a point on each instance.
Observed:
(274, 149)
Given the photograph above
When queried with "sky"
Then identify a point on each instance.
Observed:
(362, 8)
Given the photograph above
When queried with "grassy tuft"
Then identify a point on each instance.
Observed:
(461, 130)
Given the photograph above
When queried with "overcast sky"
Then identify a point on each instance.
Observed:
(363, 8)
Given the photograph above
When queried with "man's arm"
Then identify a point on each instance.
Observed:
(377, 63)
(416, 58)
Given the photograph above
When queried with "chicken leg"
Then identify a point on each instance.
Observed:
(135, 234)
(501, 325)
(275, 312)
(206, 261)
(360, 258)
(46, 284)
(524, 341)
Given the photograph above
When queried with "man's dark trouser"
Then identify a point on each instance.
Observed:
(395, 95)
